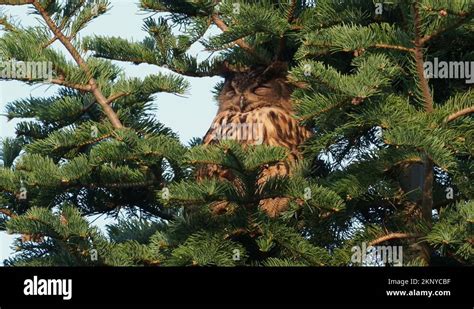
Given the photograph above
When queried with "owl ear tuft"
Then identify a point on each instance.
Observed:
(225, 70)
(228, 70)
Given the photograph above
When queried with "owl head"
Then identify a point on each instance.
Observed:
(255, 88)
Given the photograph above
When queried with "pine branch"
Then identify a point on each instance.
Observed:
(50, 42)
(419, 58)
(116, 96)
(7, 25)
(448, 11)
(8, 213)
(463, 18)
(94, 88)
(395, 47)
(427, 193)
(55, 38)
(291, 11)
(16, 2)
(240, 42)
(80, 87)
(391, 236)
(463, 112)
(317, 113)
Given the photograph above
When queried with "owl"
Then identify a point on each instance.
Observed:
(255, 108)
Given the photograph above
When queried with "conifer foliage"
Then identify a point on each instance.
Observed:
(400, 135)
(390, 161)
(94, 147)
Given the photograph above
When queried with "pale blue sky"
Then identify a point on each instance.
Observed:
(189, 117)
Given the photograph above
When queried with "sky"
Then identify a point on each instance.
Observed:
(188, 116)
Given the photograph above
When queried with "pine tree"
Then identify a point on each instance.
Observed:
(216, 207)
(380, 126)
(93, 148)
(401, 140)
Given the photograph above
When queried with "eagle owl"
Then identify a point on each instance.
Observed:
(255, 108)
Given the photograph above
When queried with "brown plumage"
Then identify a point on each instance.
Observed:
(255, 108)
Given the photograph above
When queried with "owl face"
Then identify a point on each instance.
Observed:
(244, 92)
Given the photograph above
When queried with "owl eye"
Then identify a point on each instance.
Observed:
(230, 93)
(262, 90)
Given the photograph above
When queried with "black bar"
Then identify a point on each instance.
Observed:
(266, 286)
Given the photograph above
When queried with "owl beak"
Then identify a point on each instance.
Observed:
(241, 102)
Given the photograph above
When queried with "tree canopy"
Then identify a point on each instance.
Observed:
(390, 161)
